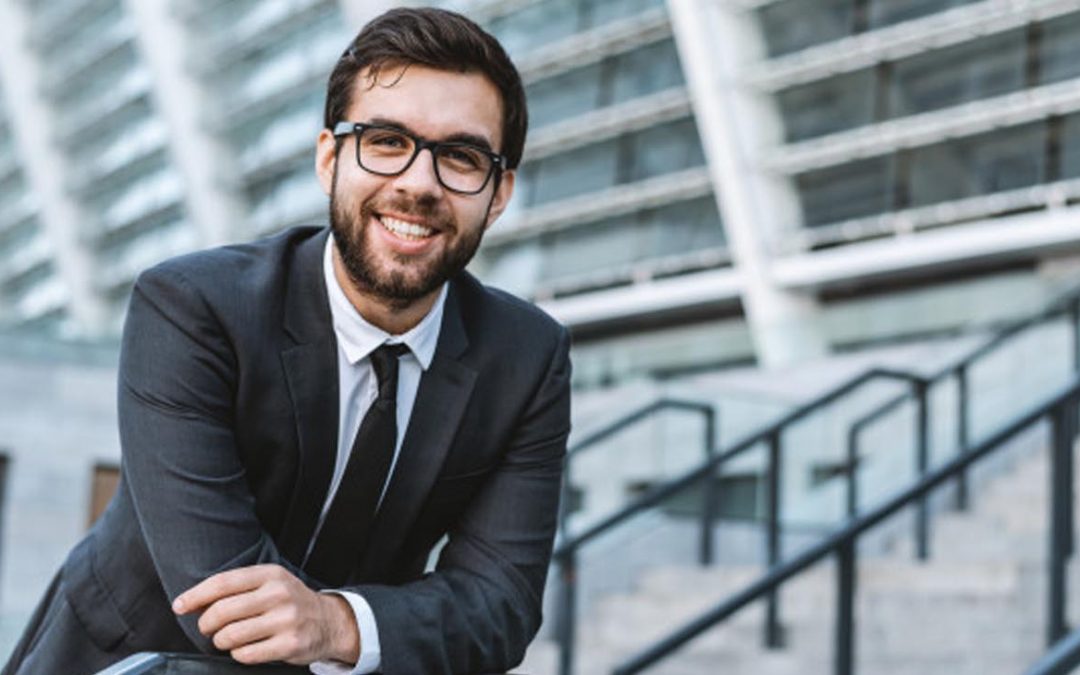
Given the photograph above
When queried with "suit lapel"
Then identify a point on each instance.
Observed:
(310, 367)
(441, 400)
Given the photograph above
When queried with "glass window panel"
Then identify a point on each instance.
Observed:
(850, 191)
(514, 267)
(537, 25)
(792, 25)
(1060, 49)
(592, 248)
(1002, 160)
(664, 149)
(1070, 147)
(600, 12)
(887, 12)
(835, 104)
(670, 230)
(646, 71)
(580, 171)
(93, 84)
(681, 228)
(557, 98)
(967, 72)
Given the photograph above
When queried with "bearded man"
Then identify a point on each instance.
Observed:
(304, 418)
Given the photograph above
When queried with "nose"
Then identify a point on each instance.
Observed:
(420, 177)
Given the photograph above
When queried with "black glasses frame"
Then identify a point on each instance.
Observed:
(498, 162)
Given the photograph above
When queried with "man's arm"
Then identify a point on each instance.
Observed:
(177, 381)
(482, 606)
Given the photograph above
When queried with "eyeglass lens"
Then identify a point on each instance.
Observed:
(459, 167)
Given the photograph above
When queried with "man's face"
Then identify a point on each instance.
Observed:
(400, 237)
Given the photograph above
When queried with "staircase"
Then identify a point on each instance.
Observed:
(975, 607)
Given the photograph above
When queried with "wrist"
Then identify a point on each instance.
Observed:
(343, 634)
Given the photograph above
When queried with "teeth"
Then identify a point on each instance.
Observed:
(406, 230)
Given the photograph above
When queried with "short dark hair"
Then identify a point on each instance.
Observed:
(439, 39)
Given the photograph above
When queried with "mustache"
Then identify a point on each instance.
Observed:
(428, 209)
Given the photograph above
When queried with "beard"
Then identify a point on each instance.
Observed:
(402, 280)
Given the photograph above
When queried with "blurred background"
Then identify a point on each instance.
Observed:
(742, 202)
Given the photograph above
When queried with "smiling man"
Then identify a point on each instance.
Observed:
(304, 418)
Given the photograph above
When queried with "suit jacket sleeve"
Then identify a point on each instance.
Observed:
(482, 606)
(176, 384)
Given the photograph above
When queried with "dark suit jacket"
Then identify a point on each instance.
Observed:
(228, 401)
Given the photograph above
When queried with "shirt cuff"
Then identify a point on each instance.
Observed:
(370, 653)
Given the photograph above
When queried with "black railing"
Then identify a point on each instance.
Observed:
(566, 553)
(1062, 659)
(567, 624)
(1059, 409)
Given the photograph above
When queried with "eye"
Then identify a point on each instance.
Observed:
(386, 140)
(464, 158)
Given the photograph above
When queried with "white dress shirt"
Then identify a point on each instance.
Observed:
(358, 388)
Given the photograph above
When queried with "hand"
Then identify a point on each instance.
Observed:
(263, 613)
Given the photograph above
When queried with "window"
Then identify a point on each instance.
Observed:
(974, 70)
(617, 79)
(670, 230)
(1060, 49)
(1002, 160)
(1070, 147)
(828, 106)
(792, 25)
(887, 12)
(105, 479)
(849, 191)
(572, 93)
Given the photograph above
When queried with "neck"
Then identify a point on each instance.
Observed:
(392, 317)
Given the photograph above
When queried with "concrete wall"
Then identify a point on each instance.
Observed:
(57, 420)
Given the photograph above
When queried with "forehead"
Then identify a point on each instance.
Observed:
(433, 103)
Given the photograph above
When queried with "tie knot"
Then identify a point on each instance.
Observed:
(384, 360)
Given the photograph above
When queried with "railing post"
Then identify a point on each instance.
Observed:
(852, 465)
(708, 507)
(773, 636)
(845, 608)
(567, 611)
(1060, 477)
(962, 437)
(922, 465)
(1074, 320)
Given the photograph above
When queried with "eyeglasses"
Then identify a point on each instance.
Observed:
(389, 151)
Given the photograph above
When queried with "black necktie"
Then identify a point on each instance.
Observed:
(343, 536)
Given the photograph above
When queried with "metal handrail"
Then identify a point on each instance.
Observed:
(1067, 302)
(565, 552)
(707, 411)
(1060, 407)
(617, 425)
(659, 493)
(1062, 658)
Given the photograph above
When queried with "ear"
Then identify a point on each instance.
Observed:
(326, 159)
(501, 198)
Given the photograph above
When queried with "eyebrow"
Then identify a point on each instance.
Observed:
(460, 137)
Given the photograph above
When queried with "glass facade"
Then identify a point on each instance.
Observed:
(593, 248)
(31, 294)
(865, 120)
(265, 64)
(112, 140)
(971, 78)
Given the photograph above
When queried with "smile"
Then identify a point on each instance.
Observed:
(404, 229)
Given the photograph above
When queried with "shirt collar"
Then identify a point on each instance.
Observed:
(357, 337)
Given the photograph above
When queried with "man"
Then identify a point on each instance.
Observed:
(302, 419)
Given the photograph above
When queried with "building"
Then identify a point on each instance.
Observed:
(706, 182)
